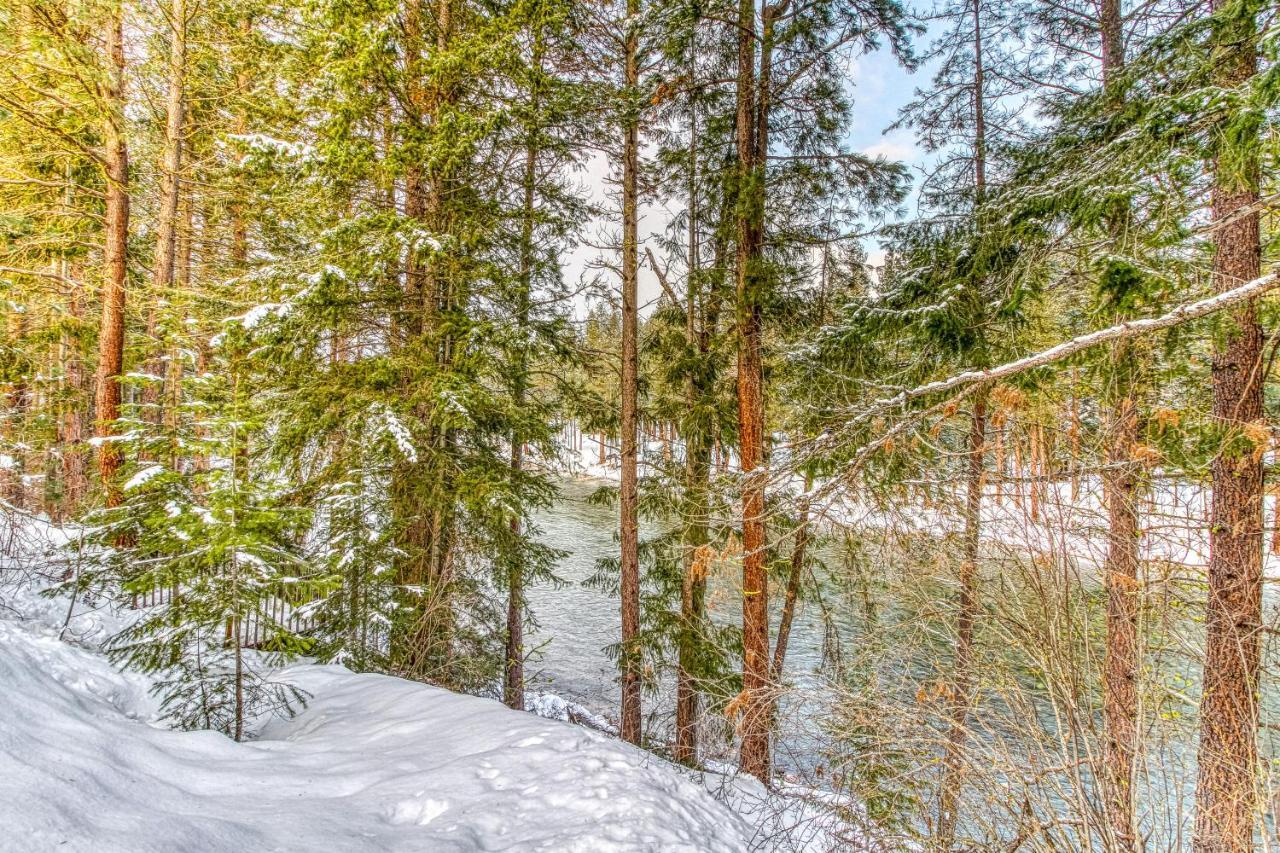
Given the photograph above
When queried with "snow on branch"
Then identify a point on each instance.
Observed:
(1120, 331)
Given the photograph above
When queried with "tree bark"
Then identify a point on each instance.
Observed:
(1120, 678)
(115, 255)
(966, 617)
(630, 562)
(799, 551)
(1120, 485)
(962, 676)
(755, 754)
(72, 420)
(162, 272)
(513, 675)
(697, 461)
(12, 489)
(1226, 789)
(239, 229)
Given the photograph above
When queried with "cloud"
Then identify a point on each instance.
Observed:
(897, 145)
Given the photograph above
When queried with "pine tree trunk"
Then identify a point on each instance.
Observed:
(72, 421)
(423, 490)
(416, 299)
(700, 441)
(799, 552)
(630, 579)
(754, 755)
(962, 677)
(11, 485)
(513, 674)
(1120, 484)
(1120, 678)
(115, 259)
(967, 613)
(1226, 790)
(697, 464)
(167, 219)
(239, 230)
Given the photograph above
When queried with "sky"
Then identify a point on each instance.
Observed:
(880, 87)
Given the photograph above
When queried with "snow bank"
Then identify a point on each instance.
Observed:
(373, 763)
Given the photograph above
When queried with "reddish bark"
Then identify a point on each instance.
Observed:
(111, 330)
(1226, 790)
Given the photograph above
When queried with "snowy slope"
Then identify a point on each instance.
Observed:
(373, 763)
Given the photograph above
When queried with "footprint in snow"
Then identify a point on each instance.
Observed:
(417, 811)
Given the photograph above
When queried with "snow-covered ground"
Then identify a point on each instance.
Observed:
(371, 763)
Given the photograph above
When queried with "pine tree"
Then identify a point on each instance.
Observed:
(629, 517)
(963, 109)
(219, 544)
(1228, 754)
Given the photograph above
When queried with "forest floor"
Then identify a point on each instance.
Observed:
(372, 762)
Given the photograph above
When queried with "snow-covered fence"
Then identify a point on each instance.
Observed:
(291, 607)
(258, 629)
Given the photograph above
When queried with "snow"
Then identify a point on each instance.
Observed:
(142, 476)
(372, 763)
(392, 426)
(261, 144)
(252, 318)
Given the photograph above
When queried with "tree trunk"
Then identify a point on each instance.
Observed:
(967, 614)
(513, 672)
(799, 551)
(754, 756)
(111, 330)
(11, 425)
(630, 563)
(239, 230)
(1226, 790)
(72, 421)
(424, 490)
(1120, 679)
(962, 677)
(697, 464)
(167, 220)
(1120, 481)
(513, 675)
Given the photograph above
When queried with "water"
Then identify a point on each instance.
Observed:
(577, 623)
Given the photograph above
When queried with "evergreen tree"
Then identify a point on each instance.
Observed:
(219, 543)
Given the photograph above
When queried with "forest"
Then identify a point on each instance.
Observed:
(835, 424)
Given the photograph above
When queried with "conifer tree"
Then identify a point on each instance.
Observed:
(1228, 751)
(963, 115)
(218, 544)
(629, 517)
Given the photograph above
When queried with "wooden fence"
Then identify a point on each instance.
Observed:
(287, 607)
